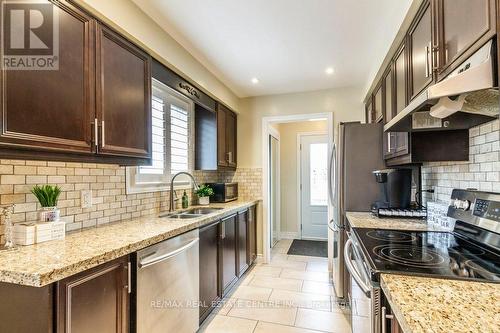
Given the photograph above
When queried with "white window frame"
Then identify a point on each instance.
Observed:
(144, 183)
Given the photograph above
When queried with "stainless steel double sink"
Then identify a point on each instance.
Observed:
(191, 213)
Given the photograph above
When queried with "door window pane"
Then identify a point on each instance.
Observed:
(318, 174)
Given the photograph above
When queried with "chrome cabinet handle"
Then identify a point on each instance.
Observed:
(96, 133)
(129, 277)
(103, 132)
(355, 274)
(427, 61)
(223, 230)
(389, 136)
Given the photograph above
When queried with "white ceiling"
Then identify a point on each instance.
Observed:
(286, 44)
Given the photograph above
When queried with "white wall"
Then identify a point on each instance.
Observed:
(130, 20)
(345, 103)
(288, 169)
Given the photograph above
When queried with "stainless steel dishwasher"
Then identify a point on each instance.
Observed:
(168, 286)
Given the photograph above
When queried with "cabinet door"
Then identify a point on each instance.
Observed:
(379, 112)
(388, 96)
(209, 269)
(123, 96)
(420, 47)
(400, 80)
(465, 26)
(252, 235)
(96, 300)
(53, 109)
(231, 124)
(242, 242)
(205, 139)
(221, 137)
(401, 144)
(369, 111)
(228, 253)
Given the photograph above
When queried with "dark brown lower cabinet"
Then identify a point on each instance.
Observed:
(243, 262)
(228, 252)
(210, 290)
(26, 309)
(96, 300)
(252, 235)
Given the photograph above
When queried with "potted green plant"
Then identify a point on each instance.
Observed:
(47, 196)
(204, 192)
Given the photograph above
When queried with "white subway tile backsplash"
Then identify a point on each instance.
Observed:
(482, 172)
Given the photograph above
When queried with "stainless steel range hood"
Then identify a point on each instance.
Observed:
(467, 97)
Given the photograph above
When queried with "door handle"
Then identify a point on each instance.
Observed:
(331, 176)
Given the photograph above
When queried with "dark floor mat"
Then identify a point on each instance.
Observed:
(309, 248)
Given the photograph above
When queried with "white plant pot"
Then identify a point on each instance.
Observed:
(204, 201)
(49, 214)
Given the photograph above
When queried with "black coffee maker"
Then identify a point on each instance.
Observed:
(395, 189)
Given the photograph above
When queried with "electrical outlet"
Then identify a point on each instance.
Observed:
(86, 198)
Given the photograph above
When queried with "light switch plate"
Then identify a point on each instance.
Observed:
(86, 198)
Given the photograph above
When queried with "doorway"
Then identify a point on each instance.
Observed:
(312, 176)
(281, 199)
(274, 186)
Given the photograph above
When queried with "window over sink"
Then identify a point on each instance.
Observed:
(172, 143)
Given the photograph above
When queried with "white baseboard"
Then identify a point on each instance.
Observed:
(289, 235)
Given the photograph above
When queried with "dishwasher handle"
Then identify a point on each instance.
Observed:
(154, 258)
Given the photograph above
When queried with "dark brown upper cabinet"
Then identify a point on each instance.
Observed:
(400, 94)
(420, 55)
(94, 107)
(205, 132)
(378, 104)
(369, 110)
(123, 96)
(463, 27)
(226, 137)
(388, 108)
(52, 110)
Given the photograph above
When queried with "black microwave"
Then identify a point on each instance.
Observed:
(224, 192)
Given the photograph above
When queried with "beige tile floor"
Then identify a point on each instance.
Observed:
(291, 294)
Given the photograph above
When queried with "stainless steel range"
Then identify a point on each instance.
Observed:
(471, 251)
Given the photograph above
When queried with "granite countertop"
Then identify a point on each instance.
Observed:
(368, 220)
(437, 305)
(41, 264)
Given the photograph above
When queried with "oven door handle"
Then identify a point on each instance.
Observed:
(350, 267)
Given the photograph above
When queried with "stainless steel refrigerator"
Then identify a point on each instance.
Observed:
(358, 151)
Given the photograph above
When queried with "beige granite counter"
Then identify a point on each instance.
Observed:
(368, 220)
(437, 305)
(41, 264)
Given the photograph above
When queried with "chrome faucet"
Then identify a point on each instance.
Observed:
(171, 208)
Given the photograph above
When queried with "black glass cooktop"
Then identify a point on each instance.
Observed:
(428, 253)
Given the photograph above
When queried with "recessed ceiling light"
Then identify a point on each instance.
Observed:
(255, 80)
(329, 70)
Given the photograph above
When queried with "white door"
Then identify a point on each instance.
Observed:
(314, 186)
